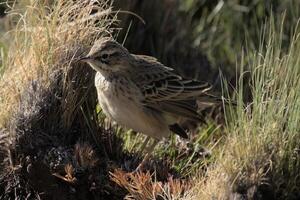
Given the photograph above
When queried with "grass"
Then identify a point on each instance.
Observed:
(259, 158)
(50, 115)
(220, 28)
(48, 102)
(184, 157)
(42, 42)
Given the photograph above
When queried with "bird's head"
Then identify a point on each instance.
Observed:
(107, 55)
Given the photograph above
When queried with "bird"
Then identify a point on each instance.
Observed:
(141, 93)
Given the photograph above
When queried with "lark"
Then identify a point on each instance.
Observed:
(140, 93)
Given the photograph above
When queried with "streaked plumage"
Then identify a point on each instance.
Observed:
(140, 93)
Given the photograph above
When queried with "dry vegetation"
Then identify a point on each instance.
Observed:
(144, 186)
(48, 101)
(46, 39)
(56, 143)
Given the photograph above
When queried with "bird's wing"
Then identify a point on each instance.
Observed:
(164, 90)
(159, 83)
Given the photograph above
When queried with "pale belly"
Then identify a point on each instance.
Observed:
(127, 111)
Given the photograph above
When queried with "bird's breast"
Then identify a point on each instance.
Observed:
(121, 101)
(118, 98)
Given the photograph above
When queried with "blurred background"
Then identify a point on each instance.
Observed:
(200, 37)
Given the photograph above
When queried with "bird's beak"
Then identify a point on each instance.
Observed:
(84, 59)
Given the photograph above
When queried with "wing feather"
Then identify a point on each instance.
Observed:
(180, 109)
(163, 89)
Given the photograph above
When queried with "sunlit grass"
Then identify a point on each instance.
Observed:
(46, 37)
(259, 154)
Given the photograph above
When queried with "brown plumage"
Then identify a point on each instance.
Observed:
(140, 93)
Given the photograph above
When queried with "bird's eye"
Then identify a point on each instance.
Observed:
(104, 56)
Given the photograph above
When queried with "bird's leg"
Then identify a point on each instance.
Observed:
(148, 154)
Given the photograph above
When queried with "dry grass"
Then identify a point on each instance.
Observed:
(48, 103)
(144, 186)
(48, 38)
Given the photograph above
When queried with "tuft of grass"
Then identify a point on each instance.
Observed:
(260, 157)
(47, 37)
